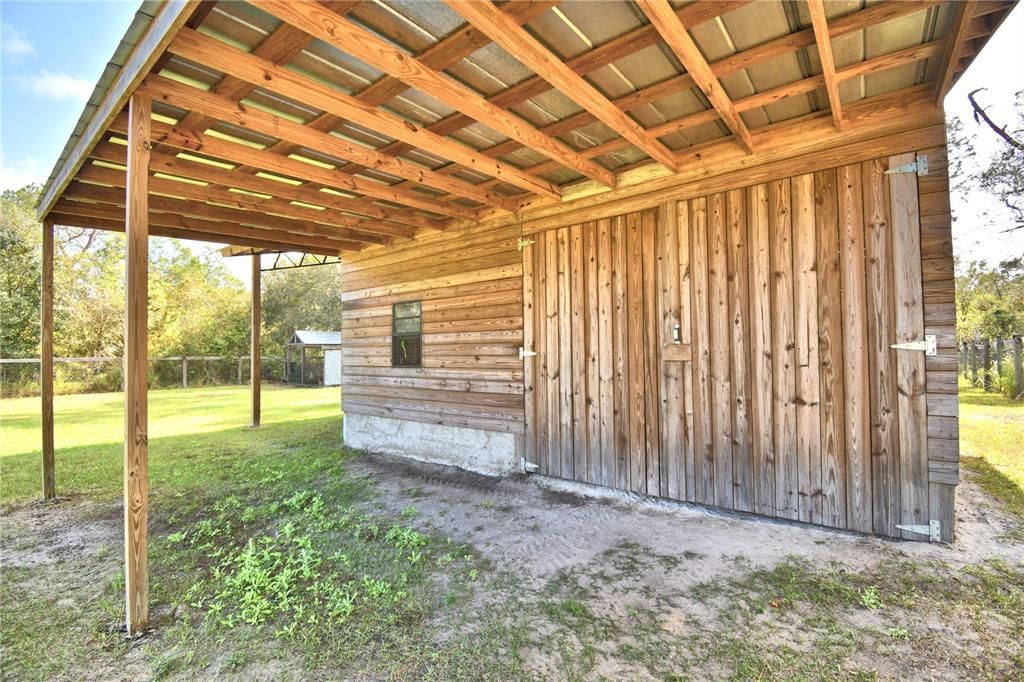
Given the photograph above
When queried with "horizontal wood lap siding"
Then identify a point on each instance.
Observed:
(471, 287)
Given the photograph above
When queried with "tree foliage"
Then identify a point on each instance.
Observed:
(990, 301)
(301, 298)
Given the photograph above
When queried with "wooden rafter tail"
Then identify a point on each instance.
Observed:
(194, 141)
(682, 45)
(220, 108)
(212, 53)
(392, 222)
(271, 207)
(311, 17)
(528, 50)
(819, 22)
(954, 44)
(163, 200)
(200, 225)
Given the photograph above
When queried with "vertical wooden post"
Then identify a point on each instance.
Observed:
(986, 365)
(239, 371)
(966, 359)
(999, 357)
(184, 371)
(136, 369)
(974, 363)
(1018, 370)
(46, 361)
(302, 366)
(256, 369)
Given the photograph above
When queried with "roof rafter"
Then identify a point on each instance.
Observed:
(679, 41)
(395, 222)
(201, 49)
(191, 140)
(819, 22)
(958, 33)
(347, 37)
(528, 50)
(220, 108)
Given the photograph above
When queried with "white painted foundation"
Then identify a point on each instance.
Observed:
(485, 452)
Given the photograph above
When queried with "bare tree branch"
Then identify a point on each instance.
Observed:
(979, 111)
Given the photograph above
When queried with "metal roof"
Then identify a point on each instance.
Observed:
(310, 337)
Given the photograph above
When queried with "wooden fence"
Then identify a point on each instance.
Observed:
(982, 361)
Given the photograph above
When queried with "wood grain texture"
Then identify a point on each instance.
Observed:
(255, 334)
(49, 482)
(136, 370)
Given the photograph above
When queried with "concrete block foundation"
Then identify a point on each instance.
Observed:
(485, 452)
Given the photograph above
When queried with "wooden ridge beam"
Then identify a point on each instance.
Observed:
(382, 55)
(679, 41)
(321, 219)
(531, 53)
(115, 225)
(954, 43)
(233, 152)
(194, 225)
(212, 53)
(819, 22)
(394, 222)
(163, 199)
(214, 106)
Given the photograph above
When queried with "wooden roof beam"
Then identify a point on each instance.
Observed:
(233, 152)
(394, 222)
(117, 225)
(819, 22)
(184, 96)
(527, 50)
(679, 41)
(349, 38)
(955, 40)
(170, 196)
(164, 185)
(212, 53)
(173, 219)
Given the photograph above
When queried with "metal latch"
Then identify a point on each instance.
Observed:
(929, 345)
(523, 353)
(523, 243)
(932, 530)
(919, 166)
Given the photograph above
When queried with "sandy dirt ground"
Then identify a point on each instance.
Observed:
(542, 531)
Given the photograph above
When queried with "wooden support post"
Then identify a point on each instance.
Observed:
(999, 357)
(1018, 370)
(46, 361)
(136, 369)
(986, 365)
(239, 371)
(184, 371)
(302, 366)
(256, 370)
(965, 359)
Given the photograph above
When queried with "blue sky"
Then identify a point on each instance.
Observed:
(52, 53)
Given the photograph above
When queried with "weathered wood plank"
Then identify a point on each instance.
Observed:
(606, 344)
(720, 337)
(530, 324)
(762, 441)
(619, 249)
(635, 354)
(739, 323)
(651, 356)
(46, 361)
(703, 429)
(592, 408)
(578, 353)
(255, 333)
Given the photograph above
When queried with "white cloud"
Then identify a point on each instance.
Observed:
(21, 172)
(14, 43)
(58, 85)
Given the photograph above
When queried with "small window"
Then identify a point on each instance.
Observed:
(406, 334)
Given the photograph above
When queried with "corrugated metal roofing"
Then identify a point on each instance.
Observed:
(311, 337)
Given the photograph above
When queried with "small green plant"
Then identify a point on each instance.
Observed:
(409, 512)
(870, 599)
(898, 632)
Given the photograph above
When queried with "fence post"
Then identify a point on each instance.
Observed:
(974, 363)
(1018, 371)
(239, 371)
(184, 371)
(999, 357)
(986, 365)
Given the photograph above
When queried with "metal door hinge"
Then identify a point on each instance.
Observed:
(529, 466)
(919, 166)
(523, 243)
(932, 530)
(929, 345)
(523, 353)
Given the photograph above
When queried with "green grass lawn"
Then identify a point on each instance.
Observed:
(992, 446)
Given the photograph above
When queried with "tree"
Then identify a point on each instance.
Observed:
(990, 301)
(20, 244)
(300, 298)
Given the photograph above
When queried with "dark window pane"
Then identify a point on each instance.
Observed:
(405, 351)
(411, 309)
(409, 325)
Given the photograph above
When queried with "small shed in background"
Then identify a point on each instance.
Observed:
(313, 357)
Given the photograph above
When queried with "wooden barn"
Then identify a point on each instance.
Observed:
(698, 251)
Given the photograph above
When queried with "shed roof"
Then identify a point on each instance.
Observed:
(332, 127)
(311, 337)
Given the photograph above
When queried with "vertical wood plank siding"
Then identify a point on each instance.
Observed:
(731, 349)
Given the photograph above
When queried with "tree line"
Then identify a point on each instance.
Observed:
(196, 306)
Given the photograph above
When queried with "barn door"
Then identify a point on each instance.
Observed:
(592, 389)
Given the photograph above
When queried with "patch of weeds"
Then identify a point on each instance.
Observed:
(898, 632)
(870, 599)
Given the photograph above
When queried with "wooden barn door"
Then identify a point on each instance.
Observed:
(592, 390)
